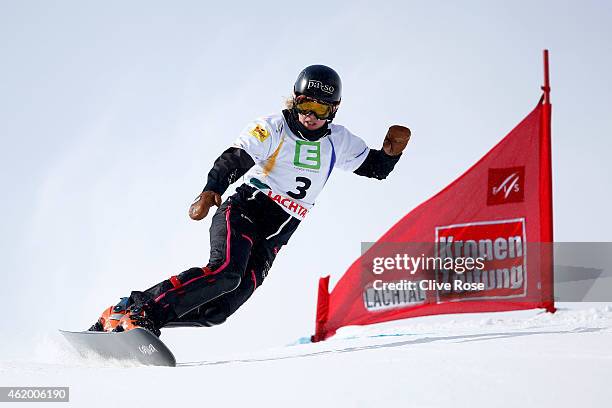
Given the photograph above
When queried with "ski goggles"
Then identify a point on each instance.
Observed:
(305, 105)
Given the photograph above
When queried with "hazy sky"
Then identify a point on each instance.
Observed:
(111, 114)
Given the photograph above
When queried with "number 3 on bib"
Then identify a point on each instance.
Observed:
(301, 189)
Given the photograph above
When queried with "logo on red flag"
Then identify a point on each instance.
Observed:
(502, 245)
(506, 185)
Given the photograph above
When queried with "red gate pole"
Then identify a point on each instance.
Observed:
(546, 203)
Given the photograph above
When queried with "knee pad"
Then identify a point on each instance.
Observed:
(214, 316)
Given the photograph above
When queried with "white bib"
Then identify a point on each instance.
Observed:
(292, 171)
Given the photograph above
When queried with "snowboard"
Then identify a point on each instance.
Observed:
(138, 346)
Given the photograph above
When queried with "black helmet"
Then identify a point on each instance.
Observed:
(319, 82)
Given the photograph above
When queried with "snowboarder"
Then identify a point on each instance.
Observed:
(286, 160)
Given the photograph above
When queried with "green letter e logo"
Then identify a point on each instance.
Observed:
(307, 154)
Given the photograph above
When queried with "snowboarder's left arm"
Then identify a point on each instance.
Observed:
(379, 163)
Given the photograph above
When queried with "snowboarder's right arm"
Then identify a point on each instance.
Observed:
(253, 144)
(229, 167)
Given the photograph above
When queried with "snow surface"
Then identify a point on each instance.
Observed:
(509, 359)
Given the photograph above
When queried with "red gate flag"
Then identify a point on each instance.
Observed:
(498, 214)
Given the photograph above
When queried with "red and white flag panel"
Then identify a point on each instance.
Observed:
(499, 210)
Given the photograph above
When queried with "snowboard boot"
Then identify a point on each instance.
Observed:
(110, 317)
(138, 316)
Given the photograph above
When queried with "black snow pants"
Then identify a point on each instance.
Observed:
(246, 233)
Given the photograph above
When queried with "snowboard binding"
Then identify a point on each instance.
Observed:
(137, 316)
(110, 317)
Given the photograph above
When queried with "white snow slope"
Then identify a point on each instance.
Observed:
(510, 359)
